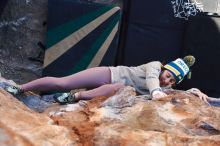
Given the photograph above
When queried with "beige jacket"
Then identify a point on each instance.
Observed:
(144, 78)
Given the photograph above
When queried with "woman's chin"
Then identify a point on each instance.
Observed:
(161, 84)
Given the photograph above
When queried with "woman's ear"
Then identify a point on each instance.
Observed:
(174, 84)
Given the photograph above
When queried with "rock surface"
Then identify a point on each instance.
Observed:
(123, 119)
(22, 27)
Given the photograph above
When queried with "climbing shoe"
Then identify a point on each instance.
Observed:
(64, 98)
(14, 90)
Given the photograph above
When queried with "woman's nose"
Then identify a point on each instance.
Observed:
(166, 80)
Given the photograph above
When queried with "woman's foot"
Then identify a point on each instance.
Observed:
(65, 98)
(13, 89)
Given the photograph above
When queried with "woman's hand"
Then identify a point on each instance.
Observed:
(156, 95)
(199, 94)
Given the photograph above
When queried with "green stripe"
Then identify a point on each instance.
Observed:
(64, 30)
(86, 59)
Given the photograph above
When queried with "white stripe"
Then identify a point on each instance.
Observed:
(100, 54)
(61, 47)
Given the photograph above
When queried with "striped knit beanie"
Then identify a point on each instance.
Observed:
(181, 67)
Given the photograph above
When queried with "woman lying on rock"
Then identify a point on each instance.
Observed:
(150, 78)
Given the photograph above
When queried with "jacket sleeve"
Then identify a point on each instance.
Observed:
(153, 70)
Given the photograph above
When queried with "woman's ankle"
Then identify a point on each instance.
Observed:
(77, 96)
(20, 88)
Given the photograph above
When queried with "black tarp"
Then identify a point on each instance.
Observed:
(2, 5)
(202, 39)
(152, 33)
(158, 30)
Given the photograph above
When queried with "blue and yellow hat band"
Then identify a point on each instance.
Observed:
(178, 68)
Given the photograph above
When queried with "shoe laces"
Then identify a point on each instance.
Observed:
(13, 89)
(64, 97)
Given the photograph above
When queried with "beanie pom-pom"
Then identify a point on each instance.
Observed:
(189, 60)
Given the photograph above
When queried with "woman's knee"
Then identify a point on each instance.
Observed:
(118, 86)
(49, 79)
(58, 83)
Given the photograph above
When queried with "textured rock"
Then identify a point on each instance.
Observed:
(123, 119)
(22, 26)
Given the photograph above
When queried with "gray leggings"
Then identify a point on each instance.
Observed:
(98, 79)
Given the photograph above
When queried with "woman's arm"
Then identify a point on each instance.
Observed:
(153, 70)
(201, 95)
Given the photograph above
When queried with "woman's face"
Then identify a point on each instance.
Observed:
(166, 79)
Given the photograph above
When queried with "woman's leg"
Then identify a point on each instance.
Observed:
(104, 90)
(89, 78)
